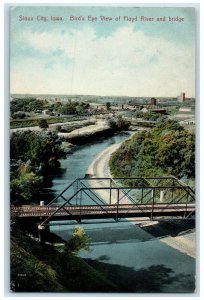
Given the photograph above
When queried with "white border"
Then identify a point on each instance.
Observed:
(5, 137)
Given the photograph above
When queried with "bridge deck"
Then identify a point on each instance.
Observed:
(104, 211)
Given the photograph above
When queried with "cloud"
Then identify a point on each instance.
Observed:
(127, 62)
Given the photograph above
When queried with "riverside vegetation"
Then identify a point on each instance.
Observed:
(33, 155)
(168, 149)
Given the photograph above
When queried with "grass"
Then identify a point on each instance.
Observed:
(37, 267)
(35, 121)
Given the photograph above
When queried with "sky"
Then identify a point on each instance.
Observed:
(119, 57)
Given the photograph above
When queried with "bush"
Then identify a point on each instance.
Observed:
(58, 128)
(118, 124)
(122, 124)
(43, 124)
(78, 241)
(112, 124)
(18, 115)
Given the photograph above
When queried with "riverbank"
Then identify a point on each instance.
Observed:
(185, 242)
(99, 166)
(76, 133)
(76, 124)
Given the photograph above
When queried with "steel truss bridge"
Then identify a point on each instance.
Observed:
(114, 200)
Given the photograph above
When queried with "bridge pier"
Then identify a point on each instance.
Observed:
(33, 227)
(43, 233)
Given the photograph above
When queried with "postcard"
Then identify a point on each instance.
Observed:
(102, 149)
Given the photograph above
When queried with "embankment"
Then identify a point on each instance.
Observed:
(77, 137)
(184, 242)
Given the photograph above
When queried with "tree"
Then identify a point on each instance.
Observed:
(27, 105)
(43, 124)
(41, 148)
(19, 115)
(19, 144)
(74, 108)
(108, 105)
(58, 128)
(118, 124)
(121, 123)
(112, 124)
(45, 149)
(25, 185)
(79, 240)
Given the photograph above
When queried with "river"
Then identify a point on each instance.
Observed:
(137, 259)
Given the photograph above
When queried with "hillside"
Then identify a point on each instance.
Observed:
(41, 268)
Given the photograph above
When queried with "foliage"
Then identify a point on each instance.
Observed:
(56, 106)
(29, 274)
(150, 116)
(168, 149)
(38, 152)
(27, 105)
(18, 115)
(119, 124)
(73, 108)
(68, 109)
(78, 241)
(25, 185)
(108, 105)
(112, 124)
(43, 123)
(34, 121)
(43, 149)
(19, 145)
(41, 268)
(58, 128)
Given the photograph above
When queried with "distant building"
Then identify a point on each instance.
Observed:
(182, 97)
(153, 101)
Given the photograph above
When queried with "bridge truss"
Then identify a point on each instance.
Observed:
(117, 200)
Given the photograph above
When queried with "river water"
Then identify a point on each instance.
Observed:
(135, 257)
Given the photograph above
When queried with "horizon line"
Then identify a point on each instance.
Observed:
(92, 95)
